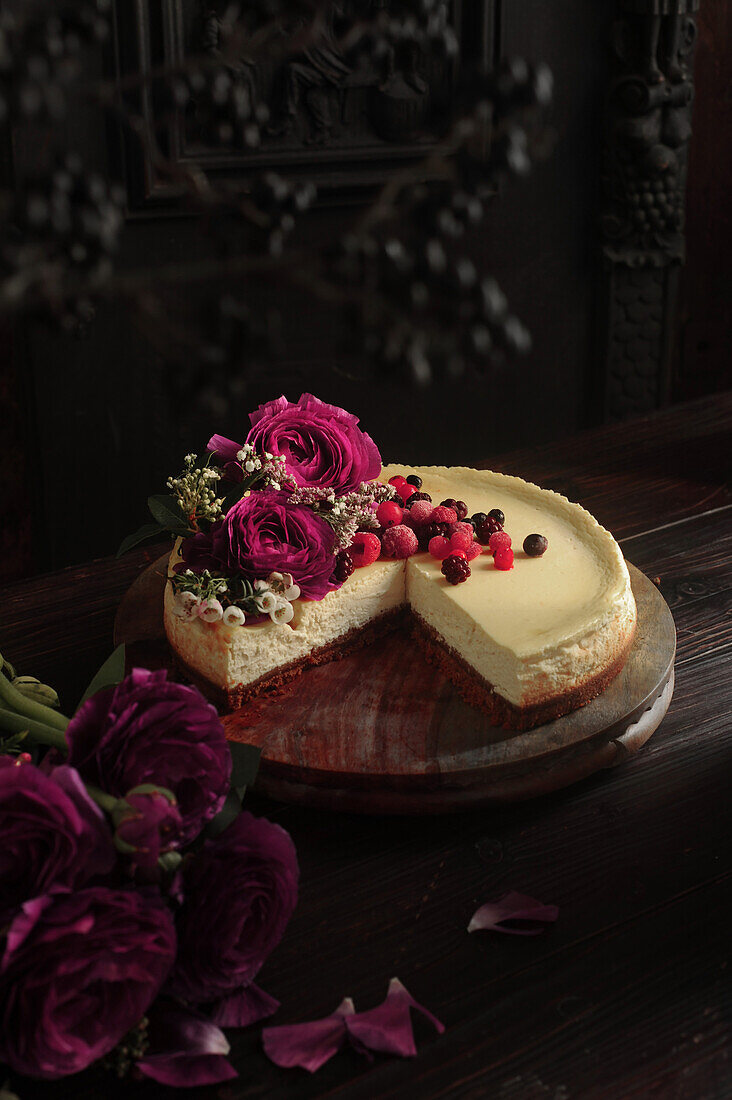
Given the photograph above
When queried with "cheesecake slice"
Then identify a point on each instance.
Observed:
(524, 645)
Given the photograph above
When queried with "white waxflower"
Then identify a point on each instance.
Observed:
(283, 613)
(275, 580)
(185, 605)
(291, 592)
(261, 586)
(267, 602)
(234, 616)
(210, 611)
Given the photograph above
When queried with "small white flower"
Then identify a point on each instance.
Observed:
(210, 611)
(261, 586)
(234, 616)
(267, 602)
(185, 605)
(211, 474)
(275, 485)
(283, 613)
(250, 466)
(291, 592)
(268, 455)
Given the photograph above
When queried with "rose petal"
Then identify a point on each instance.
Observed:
(388, 1027)
(225, 449)
(512, 907)
(245, 1007)
(187, 1049)
(309, 1045)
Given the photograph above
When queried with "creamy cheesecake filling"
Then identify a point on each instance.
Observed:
(534, 632)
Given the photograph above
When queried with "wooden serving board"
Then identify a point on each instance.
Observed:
(381, 731)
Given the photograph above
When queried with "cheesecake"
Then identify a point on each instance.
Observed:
(525, 644)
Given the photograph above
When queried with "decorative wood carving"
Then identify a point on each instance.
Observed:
(644, 179)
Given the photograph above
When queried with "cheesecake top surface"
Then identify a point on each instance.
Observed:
(556, 599)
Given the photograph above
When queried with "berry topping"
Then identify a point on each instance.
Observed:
(497, 514)
(430, 531)
(405, 491)
(459, 507)
(486, 528)
(421, 512)
(455, 569)
(442, 514)
(503, 558)
(535, 545)
(439, 547)
(460, 525)
(477, 518)
(501, 540)
(396, 480)
(344, 566)
(399, 542)
(473, 551)
(418, 496)
(389, 513)
(460, 539)
(449, 503)
(365, 548)
(415, 480)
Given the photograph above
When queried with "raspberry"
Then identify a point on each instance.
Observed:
(460, 525)
(503, 558)
(400, 542)
(421, 512)
(439, 547)
(365, 548)
(486, 528)
(473, 551)
(499, 540)
(535, 545)
(461, 540)
(442, 514)
(344, 566)
(389, 513)
(455, 570)
(415, 480)
(498, 514)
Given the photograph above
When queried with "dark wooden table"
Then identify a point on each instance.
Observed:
(630, 994)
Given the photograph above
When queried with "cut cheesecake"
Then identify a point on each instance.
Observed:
(525, 645)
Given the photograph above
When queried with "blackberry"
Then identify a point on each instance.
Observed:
(535, 545)
(497, 514)
(343, 567)
(449, 503)
(462, 509)
(415, 480)
(486, 528)
(429, 531)
(417, 496)
(455, 570)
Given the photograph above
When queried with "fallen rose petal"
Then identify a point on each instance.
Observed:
(309, 1045)
(186, 1049)
(388, 1027)
(245, 1007)
(492, 917)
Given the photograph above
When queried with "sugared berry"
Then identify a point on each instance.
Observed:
(501, 540)
(344, 566)
(473, 551)
(503, 558)
(461, 540)
(460, 525)
(399, 542)
(449, 503)
(439, 547)
(421, 512)
(455, 569)
(389, 513)
(498, 514)
(535, 545)
(486, 528)
(442, 514)
(365, 548)
(418, 496)
(415, 480)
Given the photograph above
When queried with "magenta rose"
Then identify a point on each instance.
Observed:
(240, 891)
(262, 534)
(149, 730)
(79, 970)
(322, 445)
(53, 835)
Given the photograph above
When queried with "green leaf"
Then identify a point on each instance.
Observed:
(244, 764)
(111, 672)
(228, 813)
(166, 511)
(147, 531)
(234, 495)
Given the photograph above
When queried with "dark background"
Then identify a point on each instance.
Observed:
(88, 426)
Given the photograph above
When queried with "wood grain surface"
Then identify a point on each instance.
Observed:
(383, 731)
(629, 994)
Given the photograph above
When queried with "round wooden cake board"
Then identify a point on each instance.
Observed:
(381, 731)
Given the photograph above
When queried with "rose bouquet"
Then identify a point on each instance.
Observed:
(138, 901)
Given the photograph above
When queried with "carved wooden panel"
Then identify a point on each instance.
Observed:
(336, 119)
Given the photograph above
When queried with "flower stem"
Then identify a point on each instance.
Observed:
(37, 731)
(13, 699)
(108, 802)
